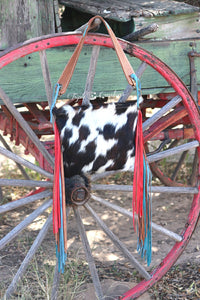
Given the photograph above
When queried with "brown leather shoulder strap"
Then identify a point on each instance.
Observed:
(67, 73)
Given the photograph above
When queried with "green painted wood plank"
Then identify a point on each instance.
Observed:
(23, 80)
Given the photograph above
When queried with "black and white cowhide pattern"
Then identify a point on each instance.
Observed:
(99, 139)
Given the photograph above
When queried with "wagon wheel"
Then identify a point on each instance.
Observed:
(155, 128)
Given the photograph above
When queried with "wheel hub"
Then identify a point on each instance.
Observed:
(77, 190)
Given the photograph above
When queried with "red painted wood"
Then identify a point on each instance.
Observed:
(178, 134)
(10, 126)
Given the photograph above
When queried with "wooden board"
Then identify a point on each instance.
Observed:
(172, 27)
(23, 80)
(124, 10)
(21, 20)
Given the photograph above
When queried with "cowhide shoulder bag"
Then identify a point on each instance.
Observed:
(103, 138)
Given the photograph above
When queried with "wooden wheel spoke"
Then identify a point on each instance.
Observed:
(21, 226)
(172, 103)
(141, 69)
(90, 76)
(194, 168)
(173, 151)
(26, 127)
(56, 278)
(25, 162)
(36, 244)
(95, 177)
(46, 76)
(128, 90)
(113, 187)
(119, 244)
(23, 201)
(154, 189)
(115, 207)
(89, 256)
(174, 190)
(25, 183)
(129, 214)
(55, 285)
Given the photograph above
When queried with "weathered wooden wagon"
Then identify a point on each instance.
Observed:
(165, 56)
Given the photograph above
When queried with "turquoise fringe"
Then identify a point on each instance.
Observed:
(61, 255)
(146, 249)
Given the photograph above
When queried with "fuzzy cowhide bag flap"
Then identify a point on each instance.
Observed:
(97, 139)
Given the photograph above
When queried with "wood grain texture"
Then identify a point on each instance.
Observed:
(124, 10)
(171, 27)
(21, 20)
